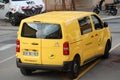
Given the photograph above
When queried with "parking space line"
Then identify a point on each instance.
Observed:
(87, 69)
(115, 47)
(7, 59)
(6, 47)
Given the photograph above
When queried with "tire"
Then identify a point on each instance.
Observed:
(14, 20)
(75, 68)
(26, 71)
(107, 49)
(113, 12)
(97, 11)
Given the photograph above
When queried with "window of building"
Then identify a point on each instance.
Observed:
(85, 25)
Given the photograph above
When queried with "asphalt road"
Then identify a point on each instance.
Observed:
(108, 69)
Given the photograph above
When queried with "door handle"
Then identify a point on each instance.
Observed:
(34, 43)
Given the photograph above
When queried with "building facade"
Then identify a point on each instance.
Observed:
(68, 4)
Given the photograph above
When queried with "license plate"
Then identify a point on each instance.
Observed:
(30, 53)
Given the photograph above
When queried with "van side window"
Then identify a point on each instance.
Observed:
(97, 22)
(85, 25)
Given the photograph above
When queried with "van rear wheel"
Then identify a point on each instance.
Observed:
(75, 68)
(26, 71)
(107, 49)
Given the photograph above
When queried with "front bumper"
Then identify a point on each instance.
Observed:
(65, 67)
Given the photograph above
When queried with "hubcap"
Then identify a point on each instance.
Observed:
(75, 68)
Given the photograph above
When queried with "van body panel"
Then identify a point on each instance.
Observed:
(52, 52)
(30, 50)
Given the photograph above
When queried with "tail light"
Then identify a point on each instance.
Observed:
(17, 46)
(66, 48)
(28, 7)
(23, 7)
(12, 9)
(37, 6)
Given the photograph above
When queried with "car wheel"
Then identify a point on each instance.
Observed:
(107, 49)
(14, 20)
(75, 68)
(26, 71)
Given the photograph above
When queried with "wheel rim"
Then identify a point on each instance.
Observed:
(75, 68)
(12, 20)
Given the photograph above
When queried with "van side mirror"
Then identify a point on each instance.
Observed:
(105, 24)
(6, 1)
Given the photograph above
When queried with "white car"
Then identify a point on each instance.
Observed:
(16, 10)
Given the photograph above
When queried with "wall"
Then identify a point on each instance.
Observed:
(57, 4)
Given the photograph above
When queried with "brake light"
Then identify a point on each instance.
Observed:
(37, 6)
(27, 7)
(66, 48)
(12, 9)
(17, 46)
(23, 7)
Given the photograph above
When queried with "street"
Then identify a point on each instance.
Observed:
(108, 69)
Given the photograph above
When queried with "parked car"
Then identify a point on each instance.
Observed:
(16, 10)
(61, 40)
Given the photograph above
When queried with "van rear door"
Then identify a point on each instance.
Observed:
(30, 43)
(52, 47)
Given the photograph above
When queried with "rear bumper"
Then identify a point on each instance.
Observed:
(65, 67)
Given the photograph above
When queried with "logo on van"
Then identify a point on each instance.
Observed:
(56, 44)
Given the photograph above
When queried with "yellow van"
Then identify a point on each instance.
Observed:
(61, 40)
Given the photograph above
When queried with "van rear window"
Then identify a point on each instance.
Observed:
(41, 30)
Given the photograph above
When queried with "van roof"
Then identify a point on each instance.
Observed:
(58, 16)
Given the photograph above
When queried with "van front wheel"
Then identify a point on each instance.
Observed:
(26, 71)
(75, 68)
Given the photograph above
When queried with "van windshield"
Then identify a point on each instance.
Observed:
(41, 30)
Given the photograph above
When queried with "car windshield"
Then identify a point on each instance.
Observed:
(41, 30)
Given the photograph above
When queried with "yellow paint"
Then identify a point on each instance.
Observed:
(86, 46)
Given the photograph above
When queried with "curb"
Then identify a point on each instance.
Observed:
(113, 17)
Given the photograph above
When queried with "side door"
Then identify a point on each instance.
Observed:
(87, 37)
(30, 43)
(99, 31)
(52, 45)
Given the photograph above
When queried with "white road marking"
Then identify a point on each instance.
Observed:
(7, 59)
(112, 17)
(115, 47)
(6, 46)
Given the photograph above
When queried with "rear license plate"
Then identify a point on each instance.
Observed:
(25, 53)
